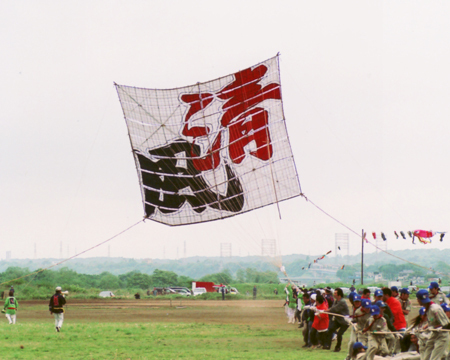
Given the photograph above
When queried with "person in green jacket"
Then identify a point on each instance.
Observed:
(10, 308)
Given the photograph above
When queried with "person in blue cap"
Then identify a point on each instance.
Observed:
(446, 309)
(365, 308)
(436, 295)
(351, 296)
(416, 336)
(387, 313)
(437, 345)
(391, 340)
(394, 291)
(377, 295)
(358, 350)
(405, 302)
(359, 318)
(377, 342)
(355, 300)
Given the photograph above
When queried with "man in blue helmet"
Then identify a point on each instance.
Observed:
(355, 300)
(375, 327)
(365, 309)
(446, 309)
(436, 295)
(437, 345)
(394, 292)
(405, 302)
(377, 295)
(391, 340)
(359, 319)
(358, 350)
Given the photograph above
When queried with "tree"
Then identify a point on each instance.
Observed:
(138, 280)
(255, 276)
(164, 278)
(185, 281)
(108, 281)
(223, 277)
(389, 271)
(240, 276)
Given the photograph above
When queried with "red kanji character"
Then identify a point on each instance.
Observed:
(250, 126)
(245, 92)
(245, 122)
(197, 103)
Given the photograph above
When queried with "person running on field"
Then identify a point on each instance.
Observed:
(10, 308)
(55, 306)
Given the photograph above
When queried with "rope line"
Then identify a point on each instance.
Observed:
(369, 242)
(74, 256)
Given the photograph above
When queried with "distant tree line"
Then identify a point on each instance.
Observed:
(71, 280)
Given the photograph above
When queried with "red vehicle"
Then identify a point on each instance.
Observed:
(208, 285)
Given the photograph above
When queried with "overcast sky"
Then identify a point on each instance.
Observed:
(365, 89)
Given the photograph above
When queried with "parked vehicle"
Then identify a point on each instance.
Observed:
(181, 288)
(199, 291)
(208, 285)
(373, 289)
(395, 283)
(182, 291)
(346, 291)
(162, 291)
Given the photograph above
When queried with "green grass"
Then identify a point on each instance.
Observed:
(154, 340)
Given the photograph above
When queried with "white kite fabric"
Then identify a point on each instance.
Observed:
(211, 150)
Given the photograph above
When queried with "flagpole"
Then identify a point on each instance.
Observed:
(362, 257)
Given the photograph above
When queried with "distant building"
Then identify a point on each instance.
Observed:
(378, 277)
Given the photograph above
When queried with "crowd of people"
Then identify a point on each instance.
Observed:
(377, 322)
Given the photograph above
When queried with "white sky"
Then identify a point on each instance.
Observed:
(366, 97)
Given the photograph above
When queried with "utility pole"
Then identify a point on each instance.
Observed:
(362, 256)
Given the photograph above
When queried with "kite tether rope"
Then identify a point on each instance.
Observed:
(74, 256)
(386, 252)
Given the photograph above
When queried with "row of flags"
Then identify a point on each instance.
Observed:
(317, 260)
(424, 236)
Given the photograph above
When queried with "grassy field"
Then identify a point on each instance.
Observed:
(139, 330)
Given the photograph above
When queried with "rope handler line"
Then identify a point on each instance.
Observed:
(386, 252)
(74, 256)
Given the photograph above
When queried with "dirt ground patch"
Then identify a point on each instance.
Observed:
(238, 312)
